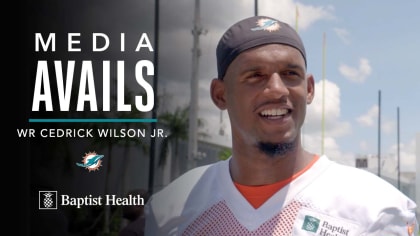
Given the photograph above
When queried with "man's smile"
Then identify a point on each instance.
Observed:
(275, 113)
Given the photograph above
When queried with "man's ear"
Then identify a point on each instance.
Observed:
(217, 93)
(310, 88)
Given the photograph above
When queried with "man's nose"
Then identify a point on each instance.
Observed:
(275, 86)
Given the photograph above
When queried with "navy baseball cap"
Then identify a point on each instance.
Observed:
(252, 32)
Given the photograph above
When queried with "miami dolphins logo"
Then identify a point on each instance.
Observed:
(267, 24)
(91, 161)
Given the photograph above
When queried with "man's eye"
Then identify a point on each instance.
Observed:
(290, 74)
(256, 75)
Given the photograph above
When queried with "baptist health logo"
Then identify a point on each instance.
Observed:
(48, 200)
(310, 224)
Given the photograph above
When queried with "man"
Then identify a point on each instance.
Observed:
(271, 185)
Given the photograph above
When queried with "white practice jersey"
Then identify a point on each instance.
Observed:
(329, 199)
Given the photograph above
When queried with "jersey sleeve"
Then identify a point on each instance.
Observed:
(394, 221)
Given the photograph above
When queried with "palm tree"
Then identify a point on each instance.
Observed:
(111, 142)
(177, 124)
(127, 142)
(225, 153)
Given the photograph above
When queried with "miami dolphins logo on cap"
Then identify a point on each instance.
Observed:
(267, 24)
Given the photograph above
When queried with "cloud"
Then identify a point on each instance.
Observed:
(331, 111)
(359, 74)
(313, 143)
(407, 156)
(334, 127)
(363, 145)
(370, 118)
(343, 34)
(286, 11)
(388, 126)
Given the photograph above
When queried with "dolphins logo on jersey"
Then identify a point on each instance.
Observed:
(91, 161)
(267, 24)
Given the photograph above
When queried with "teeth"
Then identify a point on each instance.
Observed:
(274, 112)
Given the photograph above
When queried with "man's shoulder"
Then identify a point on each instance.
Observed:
(360, 196)
(194, 181)
(343, 178)
(191, 177)
(185, 196)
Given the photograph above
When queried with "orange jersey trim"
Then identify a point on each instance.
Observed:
(257, 195)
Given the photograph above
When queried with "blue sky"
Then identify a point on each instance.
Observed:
(370, 46)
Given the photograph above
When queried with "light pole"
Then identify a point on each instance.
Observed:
(154, 111)
(192, 129)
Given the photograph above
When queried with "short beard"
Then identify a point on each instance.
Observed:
(276, 149)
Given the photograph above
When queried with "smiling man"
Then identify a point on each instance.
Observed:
(271, 185)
